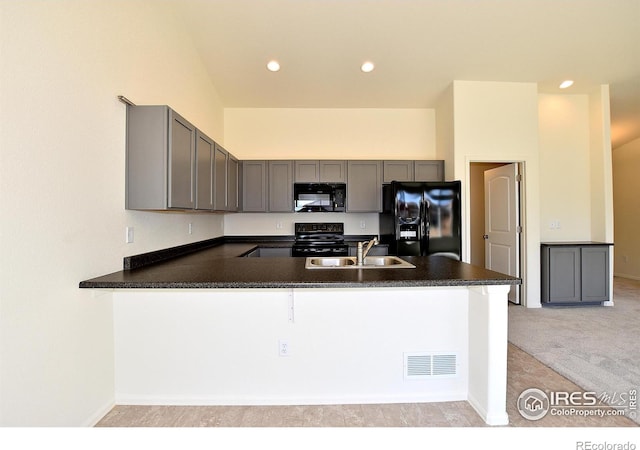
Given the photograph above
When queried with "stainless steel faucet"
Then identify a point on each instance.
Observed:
(363, 249)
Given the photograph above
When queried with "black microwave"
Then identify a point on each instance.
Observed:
(319, 197)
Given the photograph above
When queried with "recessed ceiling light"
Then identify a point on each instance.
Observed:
(273, 66)
(565, 84)
(367, 67)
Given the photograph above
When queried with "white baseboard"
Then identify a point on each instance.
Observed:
(490, 419)
(626, 275)
(125, 399)
(99, 414)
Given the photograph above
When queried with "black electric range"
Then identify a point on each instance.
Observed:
(319, 239)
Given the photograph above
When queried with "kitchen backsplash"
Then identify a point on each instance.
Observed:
(250, 224)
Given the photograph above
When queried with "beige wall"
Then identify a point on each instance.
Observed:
(324, 134)
(62, 150)
(265, 133)
(565, 168)
(445, 145)
(498, 122)
(626, 186)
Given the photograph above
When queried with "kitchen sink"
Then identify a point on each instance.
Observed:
(349, 262)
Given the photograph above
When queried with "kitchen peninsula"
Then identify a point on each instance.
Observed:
(211, 327)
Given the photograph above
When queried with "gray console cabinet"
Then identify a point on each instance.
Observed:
(160, 159)
(364, 186)
(575, 273)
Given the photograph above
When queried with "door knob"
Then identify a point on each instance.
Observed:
(485, 236)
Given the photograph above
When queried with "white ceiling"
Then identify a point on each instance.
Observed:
(419, 47)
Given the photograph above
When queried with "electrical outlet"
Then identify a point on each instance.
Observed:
(283, 347)
(278, 225)
(190, 228)
(128, 237)
(363, 224)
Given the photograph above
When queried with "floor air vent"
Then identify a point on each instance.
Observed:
(421, 366)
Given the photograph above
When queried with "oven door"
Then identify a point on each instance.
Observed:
(319, 250)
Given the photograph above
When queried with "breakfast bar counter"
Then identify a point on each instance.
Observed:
(222, 267)
(213, 328)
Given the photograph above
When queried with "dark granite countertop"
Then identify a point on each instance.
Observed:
(218, 265)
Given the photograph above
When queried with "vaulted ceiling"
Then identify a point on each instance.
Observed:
(418, 47)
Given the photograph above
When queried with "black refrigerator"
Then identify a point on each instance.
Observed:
(421, 219)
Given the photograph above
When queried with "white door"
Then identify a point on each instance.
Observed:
(502, 223)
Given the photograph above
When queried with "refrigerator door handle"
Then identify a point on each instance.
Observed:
(424, 227)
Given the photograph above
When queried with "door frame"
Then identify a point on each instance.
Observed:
(523, 235)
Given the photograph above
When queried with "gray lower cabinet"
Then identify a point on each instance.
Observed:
(270, 252)
(574, 273)
(364, 186)
(160, 159)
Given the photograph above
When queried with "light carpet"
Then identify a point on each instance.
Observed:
(596, 347)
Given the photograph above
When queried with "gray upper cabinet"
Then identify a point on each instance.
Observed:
(398, 171)
(280, 186)
(160, 159)
(333, 171)
(420, 170)
(323, 171)
(233, 179)
(205, 149)
(428, 170)
(307, 171)
(364, 186)
(220, 183)
(254, 186)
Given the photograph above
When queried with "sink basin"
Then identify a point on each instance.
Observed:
(349, 262)
(330, 262)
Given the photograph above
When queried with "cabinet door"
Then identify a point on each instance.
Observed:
(280, 186)
(429, 170)
(254, 186)
(398, 171)
(220, 177)
(232, 183)
(564, 274)
(181, 170)
(204, 171)
(364, 186)
(595, 273)
(307, 172)
(333, 171)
